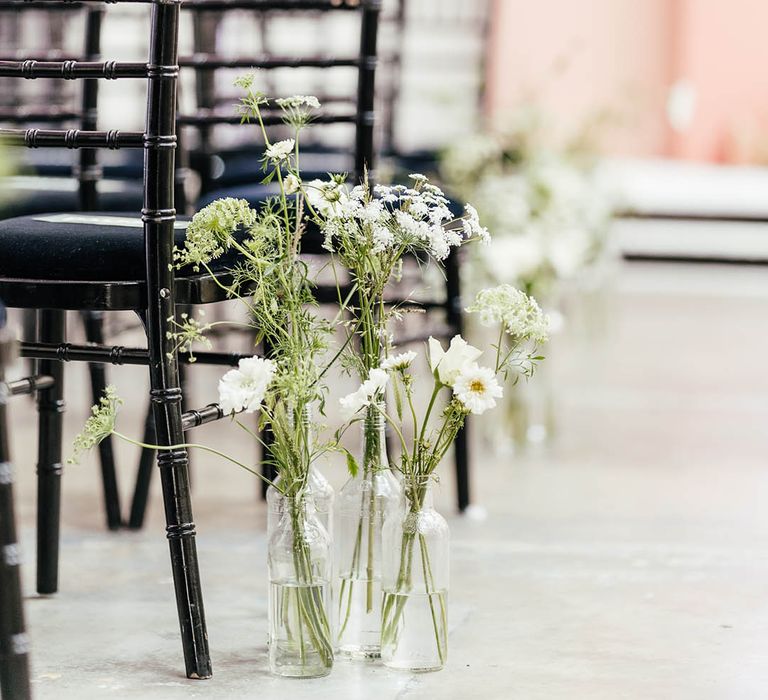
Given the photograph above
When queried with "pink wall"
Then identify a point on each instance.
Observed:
(625, 56)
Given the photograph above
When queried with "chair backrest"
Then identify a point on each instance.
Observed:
(206, 60)
(51, 109)
(14, 665)
(159, 138)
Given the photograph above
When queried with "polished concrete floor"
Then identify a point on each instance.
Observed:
(628, 559)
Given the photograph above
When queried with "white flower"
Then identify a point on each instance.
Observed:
(448, 364)
(326, 197)
(472, 227)
(476, 387)
(368, 390)
(298, 101)
(243, 389)
(280, 150)
(399, 362)
(521, 315)
(291, 184)
(383, 238)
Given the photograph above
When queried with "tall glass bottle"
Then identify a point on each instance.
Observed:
(361, 507)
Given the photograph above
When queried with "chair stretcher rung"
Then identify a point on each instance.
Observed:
(281, 5)
(72, 70)
(29, 385)
(72, 138)
(214, 62)
(204, 118)
(119, 355)
(208, 414)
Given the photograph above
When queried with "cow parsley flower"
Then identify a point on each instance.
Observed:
(210, 231)
(477, 388)
(472, 227)
(280, 150)
(399, 362)
(298, 101)
(244, 388)
(99, 426)
(519, 313)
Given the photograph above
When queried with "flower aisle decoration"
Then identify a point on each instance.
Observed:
(368, 231)
(273, 283)
(415, 537)
(550, 214)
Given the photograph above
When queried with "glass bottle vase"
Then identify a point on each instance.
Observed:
(415, 540)
(300, 569)
(361, 508)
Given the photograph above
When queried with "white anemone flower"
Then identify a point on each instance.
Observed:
(477, 388)
(280, 150)
(243, 389)
(368, 390)
(399, 362)
(448, 364)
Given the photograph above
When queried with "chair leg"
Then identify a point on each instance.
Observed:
(50, 407)
(143, 476)
(14, 664)
(94, 333)
(462, 467)
(165, 396)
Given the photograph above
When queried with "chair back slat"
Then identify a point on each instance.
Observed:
(273, 5)
(210, 62)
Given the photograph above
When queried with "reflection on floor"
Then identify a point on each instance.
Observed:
(628, 560)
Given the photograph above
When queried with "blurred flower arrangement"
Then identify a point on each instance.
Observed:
(550, 216)
(366, 232)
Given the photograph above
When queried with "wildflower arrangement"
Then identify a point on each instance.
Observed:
(367, 232)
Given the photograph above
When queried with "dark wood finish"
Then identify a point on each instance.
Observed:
(14, 663)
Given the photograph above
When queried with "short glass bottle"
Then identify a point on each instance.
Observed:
(415, 571)
(300, 571)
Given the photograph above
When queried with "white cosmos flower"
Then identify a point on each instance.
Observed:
(291, 184)
(280, 150)
(449, 364)
(399, 362)
(369, 389)
(243, 389)
(476, 387)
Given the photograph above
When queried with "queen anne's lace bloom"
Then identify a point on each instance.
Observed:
(477, 388)
(298, 101)
(521, 315)
(280, 150)
(210, 231)
(243, 389)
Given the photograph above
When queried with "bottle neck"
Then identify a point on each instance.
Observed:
(374, 440)
(418, 493)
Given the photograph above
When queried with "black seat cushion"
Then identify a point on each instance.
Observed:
(27, 195)
(98, 246)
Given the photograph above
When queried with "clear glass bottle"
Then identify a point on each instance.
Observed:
(415, 571)
(361, 507)
(300, 570)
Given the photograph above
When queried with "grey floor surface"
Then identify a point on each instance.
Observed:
(627, 560)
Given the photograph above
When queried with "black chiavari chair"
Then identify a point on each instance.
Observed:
(14, 664)
(103, 262)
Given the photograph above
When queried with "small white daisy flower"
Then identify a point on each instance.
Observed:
(399, 362)
(476, 387)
